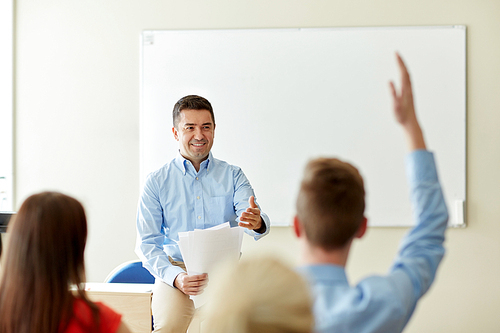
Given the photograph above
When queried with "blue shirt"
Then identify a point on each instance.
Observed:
(176, 198)
(386, 303)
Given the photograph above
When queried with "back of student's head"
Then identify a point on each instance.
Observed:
(45, 255)
(259, 295)
(331, 202)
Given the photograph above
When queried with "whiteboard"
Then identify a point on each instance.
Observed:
(284, 96)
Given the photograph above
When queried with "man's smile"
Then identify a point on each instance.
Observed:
(199, 144)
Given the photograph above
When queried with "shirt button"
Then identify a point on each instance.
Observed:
(198, 198)
(196, 178)
(199, 217)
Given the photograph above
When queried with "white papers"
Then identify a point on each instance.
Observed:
(202, 250)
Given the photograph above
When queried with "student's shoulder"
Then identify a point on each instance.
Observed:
(370, 303)
(333, 291)
(107, 312)
(110, 320)
(81, 306)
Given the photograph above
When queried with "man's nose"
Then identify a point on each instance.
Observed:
(198, 134)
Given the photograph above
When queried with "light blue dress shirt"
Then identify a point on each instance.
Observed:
(386, 303)
(176, 198)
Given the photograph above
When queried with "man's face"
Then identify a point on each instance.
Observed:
(195, 133)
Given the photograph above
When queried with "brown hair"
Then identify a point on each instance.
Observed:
(44, 258)
(331, 202)
(191, 102)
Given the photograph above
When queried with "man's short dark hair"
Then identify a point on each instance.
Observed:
(331, 202)
(191, 102)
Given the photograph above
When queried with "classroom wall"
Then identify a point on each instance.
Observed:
(77, 128)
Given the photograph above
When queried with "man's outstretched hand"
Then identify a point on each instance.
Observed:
(251, 219)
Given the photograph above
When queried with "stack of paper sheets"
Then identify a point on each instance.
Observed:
(203, 250)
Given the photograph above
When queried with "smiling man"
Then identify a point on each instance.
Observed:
(193, 191)
(195, 132)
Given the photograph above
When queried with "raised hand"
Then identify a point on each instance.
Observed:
(404, 109)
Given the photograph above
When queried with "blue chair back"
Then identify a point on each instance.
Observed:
(130, 272)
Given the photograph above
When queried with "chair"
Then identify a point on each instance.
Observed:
(130, 272)
(133, 272)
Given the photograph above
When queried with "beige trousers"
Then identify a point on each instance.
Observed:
(172, 309)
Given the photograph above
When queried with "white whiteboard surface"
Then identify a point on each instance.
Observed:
(283, 96)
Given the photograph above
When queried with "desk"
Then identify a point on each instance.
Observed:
(132, 300)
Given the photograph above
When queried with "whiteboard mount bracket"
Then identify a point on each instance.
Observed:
(459, 221)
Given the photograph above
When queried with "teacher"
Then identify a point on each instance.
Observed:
(193, 191)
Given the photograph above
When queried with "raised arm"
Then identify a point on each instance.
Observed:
(404, 110)
(421, 250)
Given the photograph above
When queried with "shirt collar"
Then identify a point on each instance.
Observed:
(208, 162)
(182, 162)
(324, 272)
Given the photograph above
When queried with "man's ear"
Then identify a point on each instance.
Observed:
(176, 135)
(362, 228)
(297, 227)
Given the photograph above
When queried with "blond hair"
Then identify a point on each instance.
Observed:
(258, 295)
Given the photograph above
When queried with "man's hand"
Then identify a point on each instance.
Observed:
(191, 284)
(251, 218)
(404, 110)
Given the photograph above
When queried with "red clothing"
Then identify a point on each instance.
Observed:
(109, 319)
